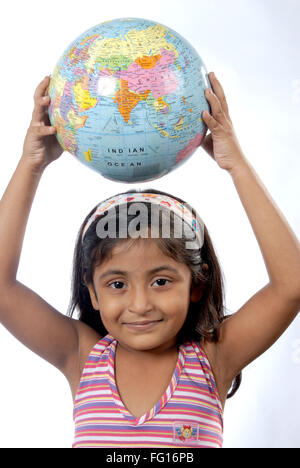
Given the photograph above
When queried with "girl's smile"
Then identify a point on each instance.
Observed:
(141, 326)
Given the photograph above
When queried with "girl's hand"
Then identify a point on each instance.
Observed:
(41, 146)
(221, 144)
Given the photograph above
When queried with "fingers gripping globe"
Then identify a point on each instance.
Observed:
(127, 98)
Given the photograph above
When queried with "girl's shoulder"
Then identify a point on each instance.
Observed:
(87, 339)
(211, 350)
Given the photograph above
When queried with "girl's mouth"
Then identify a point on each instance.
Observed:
(142, 325)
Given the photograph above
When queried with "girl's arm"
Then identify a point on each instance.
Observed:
(260, 322)
(23, 312)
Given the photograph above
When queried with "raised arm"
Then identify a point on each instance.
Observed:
(23, 312)
(265, 316)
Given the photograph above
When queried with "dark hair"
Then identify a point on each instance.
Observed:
(203, 318)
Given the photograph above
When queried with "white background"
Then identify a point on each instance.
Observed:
(253, 47)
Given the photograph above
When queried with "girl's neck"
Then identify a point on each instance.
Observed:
(147, 356)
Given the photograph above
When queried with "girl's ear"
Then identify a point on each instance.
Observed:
(93, 296)
(197, 291)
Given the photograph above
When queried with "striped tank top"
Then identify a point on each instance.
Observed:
(189, 413)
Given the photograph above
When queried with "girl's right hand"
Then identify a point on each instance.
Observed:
(41, 146)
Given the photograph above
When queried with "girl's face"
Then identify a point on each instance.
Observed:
(137, 294)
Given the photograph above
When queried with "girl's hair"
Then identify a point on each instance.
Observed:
(203, 318)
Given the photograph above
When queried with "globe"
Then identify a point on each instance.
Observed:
(127, 98)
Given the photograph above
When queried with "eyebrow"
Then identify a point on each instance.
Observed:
(150, 272)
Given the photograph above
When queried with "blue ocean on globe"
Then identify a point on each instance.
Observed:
(127, 98)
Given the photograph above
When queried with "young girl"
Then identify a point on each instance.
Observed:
(151, 360)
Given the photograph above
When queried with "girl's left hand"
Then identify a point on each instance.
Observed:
(221, 144)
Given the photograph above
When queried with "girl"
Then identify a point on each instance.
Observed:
(151, 360)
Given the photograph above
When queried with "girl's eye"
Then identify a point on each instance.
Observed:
(121, 282)
(115, 282)
(163, 279)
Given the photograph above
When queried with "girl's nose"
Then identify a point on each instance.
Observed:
(139, 301)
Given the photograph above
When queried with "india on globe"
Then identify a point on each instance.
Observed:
(127, 98)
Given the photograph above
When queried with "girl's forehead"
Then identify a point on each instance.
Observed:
(134, 250)
(140, 254)
(137, 246)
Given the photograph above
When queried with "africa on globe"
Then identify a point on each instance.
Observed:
(127, 98)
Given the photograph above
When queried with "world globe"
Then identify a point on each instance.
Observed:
(127, 98)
